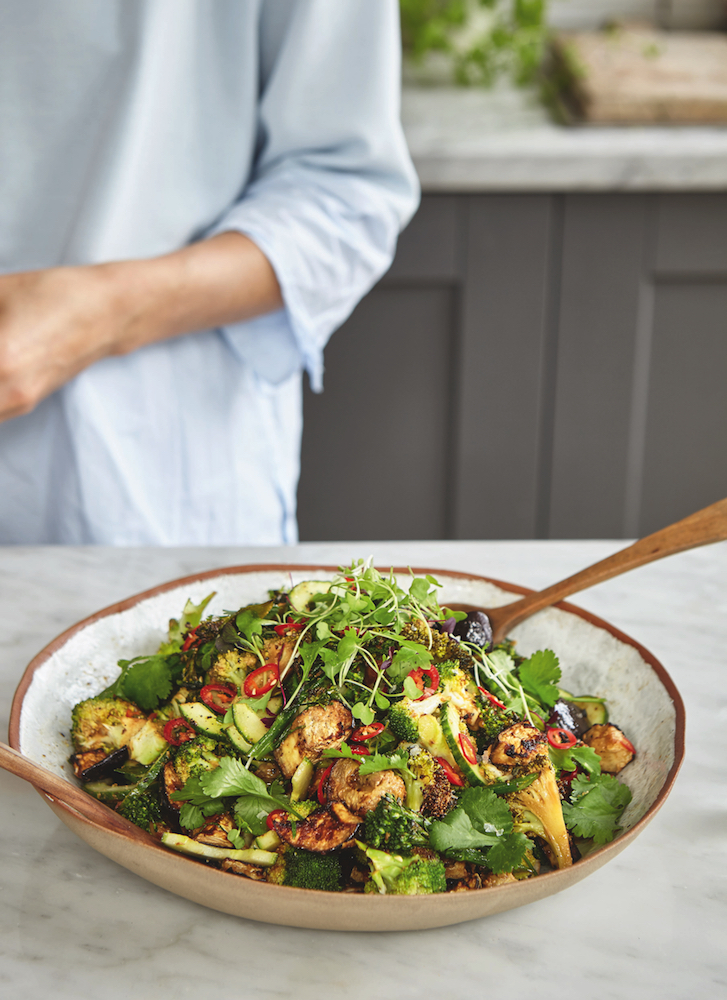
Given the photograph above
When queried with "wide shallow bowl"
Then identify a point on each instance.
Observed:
(595, 658)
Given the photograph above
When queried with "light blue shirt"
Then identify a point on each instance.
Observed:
(129, 128)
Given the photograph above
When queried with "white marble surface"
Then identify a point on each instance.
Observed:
(650, 924)
(469, 139)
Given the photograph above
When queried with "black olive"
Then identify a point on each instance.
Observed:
(475, 628)
(566, 715)
(107, 766)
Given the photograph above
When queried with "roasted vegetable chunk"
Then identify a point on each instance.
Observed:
(518, 744)
(320, 832)
(319, 728)
(351, 796)
(611, 746)
(107, 723)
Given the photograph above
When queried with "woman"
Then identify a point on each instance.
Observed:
(193, 195)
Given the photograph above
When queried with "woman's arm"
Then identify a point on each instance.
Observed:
(56, 322)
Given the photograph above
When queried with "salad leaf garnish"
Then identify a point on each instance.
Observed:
(480, 820)
(596, 806)
(568, 760)
(539, 676)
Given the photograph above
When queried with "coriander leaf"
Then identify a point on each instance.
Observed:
(508, 853)
(500, 662)
(372, 763)
(378, 762)
(146, 681)
(231, 777)
(456, 832)
(190, 817)
(539, 676)
(477, 821)
(596, 807)
(251, 812)
(568, 760)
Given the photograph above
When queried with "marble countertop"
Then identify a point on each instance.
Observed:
(470, 139)
(651, 924)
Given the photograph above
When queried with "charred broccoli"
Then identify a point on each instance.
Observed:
(394, 827)
(306, 870)
(537, 812)
(107, 723)
(141, 807)
(427, 787)
(399, 875)
(194, 757)
(403, 722)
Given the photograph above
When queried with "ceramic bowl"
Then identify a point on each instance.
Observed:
(595, 658)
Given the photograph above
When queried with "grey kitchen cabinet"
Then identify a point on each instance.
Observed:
(532, 366)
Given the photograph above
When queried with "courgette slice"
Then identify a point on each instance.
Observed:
(302, 593)
(178, 842)
(248, 724)
(301, 780)
(268, 841)
(236, 738)
(451, 728)
(432, 739)
(203, 720)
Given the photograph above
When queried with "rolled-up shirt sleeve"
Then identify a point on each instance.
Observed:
(333, 183)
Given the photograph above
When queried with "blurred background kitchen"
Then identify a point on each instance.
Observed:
(547, 357)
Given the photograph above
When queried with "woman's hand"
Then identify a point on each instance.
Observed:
(56, 322)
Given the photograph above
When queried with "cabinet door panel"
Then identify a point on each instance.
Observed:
(603, 254)
(686, 433)
(501, 365)
(376, 442)
(691, 236)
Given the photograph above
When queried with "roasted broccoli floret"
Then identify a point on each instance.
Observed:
(232, 667)
(394, 827)
(142, 807)
(195, 757)
(537, 812)
(305, 870)
(403, 722)
(427, 787)
(492, 721)
(106, 723)
(441, 645)
(404, 875)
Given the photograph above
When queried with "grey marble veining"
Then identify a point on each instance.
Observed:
(650, 924)
(469, 139)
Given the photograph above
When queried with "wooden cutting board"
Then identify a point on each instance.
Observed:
(635, 75)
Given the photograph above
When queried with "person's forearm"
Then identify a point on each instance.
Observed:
(55, 323)
(222, 280)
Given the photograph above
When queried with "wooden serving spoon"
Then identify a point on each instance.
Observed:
(63, 791)
(706, 526)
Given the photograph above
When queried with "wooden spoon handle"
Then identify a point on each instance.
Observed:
(61, 790)
(706, 526)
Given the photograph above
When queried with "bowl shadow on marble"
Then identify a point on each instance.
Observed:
(596, 658)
